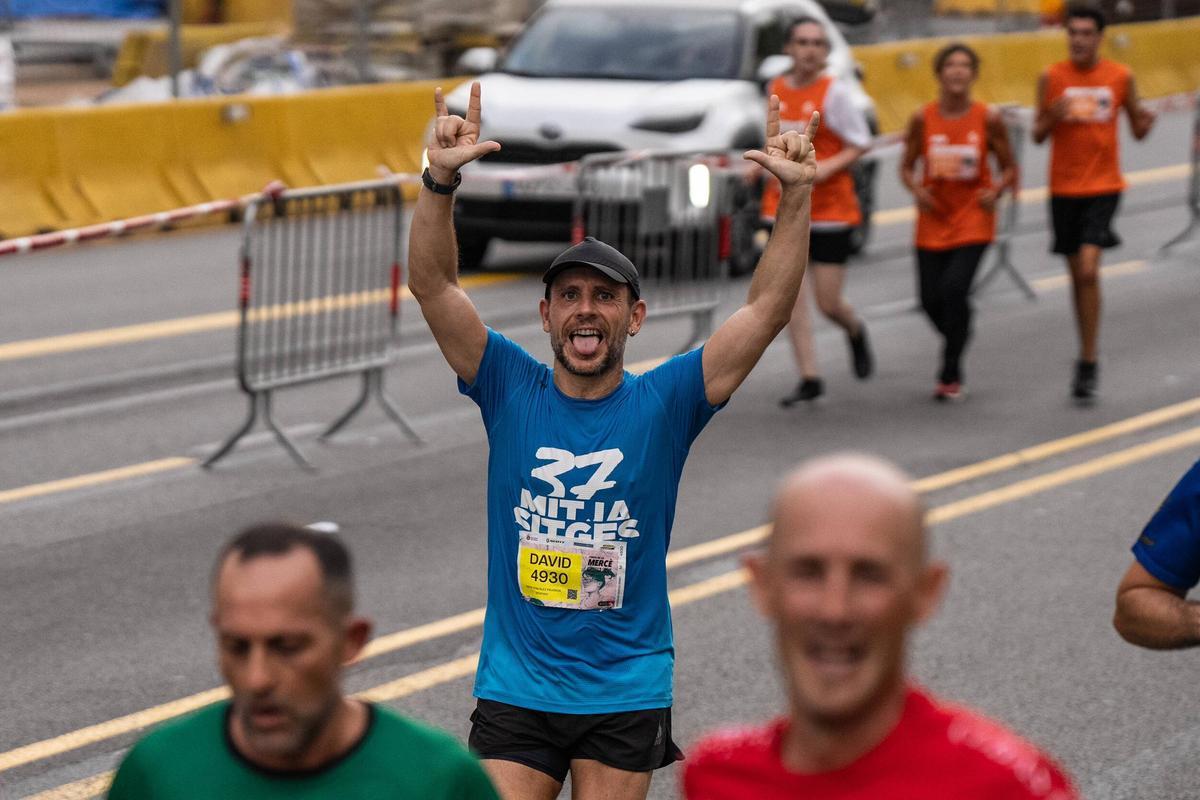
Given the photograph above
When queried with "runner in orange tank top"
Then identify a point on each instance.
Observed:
(956, 201)
(841, 140)
(1078, 104)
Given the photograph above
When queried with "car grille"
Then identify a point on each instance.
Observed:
(550, 153)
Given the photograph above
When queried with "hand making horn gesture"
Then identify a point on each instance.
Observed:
(789, 155)
(455, 140)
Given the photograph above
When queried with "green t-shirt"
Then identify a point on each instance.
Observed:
(397, 759)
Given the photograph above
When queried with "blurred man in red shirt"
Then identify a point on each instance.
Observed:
(844, 579)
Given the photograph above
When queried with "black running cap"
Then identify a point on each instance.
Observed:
(600, 256)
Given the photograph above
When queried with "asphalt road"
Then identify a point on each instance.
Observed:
(103, 578)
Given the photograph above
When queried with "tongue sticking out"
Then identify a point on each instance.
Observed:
(585, 345)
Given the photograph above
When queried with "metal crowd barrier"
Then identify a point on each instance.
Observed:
(1193, 187)
(671, 214)
(1010, 205)
(319, 298)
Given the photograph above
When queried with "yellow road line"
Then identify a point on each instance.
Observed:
(110, 729)
(1039, 194)
(48, 748)
(707, 588)
(1054, 447)
(1078, 472)
(716, 547)
(1159, 174)
(420, 681)
(410, 636)
(204, 323)
(1112, 270)
(79, 790)
(727, 581)
(93, 479)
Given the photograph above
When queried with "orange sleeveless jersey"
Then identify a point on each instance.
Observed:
(834, 200)
(955, 165)
(1083, 152)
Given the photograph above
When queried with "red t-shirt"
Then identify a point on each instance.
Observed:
(936, 752)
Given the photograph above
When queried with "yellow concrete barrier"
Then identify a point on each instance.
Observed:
(232, 146)
(988, 6)
(276, 11)
(69, 167)
(76, 166)
(117, 156)
(899, 75)
(27, 158)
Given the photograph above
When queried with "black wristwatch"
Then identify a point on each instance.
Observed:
(440, 188)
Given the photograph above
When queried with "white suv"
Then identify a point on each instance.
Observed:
(591, 76)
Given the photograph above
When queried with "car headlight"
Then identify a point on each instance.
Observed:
(678, 124)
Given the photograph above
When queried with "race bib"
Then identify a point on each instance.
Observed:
(953, 162)
(1089, 103)
(566, 574)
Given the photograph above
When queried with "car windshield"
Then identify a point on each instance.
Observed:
(628, 43)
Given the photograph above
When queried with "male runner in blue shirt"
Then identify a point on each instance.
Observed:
(1152, 606)
(576, 665)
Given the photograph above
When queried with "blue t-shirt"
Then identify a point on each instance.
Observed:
(1169, 547)
(582, 471)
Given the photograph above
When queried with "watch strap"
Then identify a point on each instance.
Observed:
(440, 188)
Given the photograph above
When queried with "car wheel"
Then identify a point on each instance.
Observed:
(864, 187)
(472, 247)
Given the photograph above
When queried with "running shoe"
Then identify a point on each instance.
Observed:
(860, 353)
(1083, 387)
(807, 389)
(953, 392)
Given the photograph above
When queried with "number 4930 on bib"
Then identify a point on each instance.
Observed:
(579, 576)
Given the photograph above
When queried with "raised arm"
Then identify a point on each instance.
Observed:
(1153, 614)
(739, 343)
(433, 249)
(1141, 119)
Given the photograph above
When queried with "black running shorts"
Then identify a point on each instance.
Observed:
(635, 741)
(1083, 220)
(829, 247)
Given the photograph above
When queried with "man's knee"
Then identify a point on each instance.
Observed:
(1085, 275)
(830, 306)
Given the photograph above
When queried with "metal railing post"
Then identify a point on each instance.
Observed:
(1003, 262)
(1193, 200)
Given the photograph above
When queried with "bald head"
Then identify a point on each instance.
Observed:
(852, 484)
(844, 579)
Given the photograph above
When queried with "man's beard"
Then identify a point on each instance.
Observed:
(614, 356)
(290, 743)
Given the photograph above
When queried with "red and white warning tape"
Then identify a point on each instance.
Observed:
(43, 241)
(102, 230)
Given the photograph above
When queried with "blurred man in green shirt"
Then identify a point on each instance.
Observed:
(283, 614)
